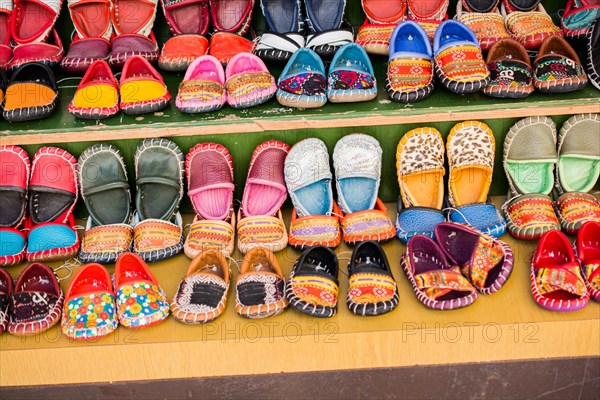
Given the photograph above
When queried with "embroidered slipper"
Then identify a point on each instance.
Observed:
(436, 284)
(188, 21)
(210, 234)
(231, 16)
(530, 28)
(593, 54)
(259, 221)
(576, 208)
(302, 83)
(458, 60)
(49, 53)
(420, 169)
(428, 13)
(511, 75)
(105, 192)
(31, 94)
(141, 302)
(588, 253)
(33, 20)
(578, 19)
(143, 89)
(126, 46)
(282, 36)
(36, 302)
(382, 17)
(556, 281)
(372, 289)
(315, 230)
(6, 288)
(410, 68)
(202, 294)
(373, 224)
(529, 216)
(97, 95)
(203, 87)
(6, 8)
(351, 76)
(249, 82)
(260, 286)
(484, 19)
(313, 285)
(557, 68)
(225, 45)
(484, 260)
(90, 309)
(327, 30)
(132, 21)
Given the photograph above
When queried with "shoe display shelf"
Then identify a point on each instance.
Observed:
(502, 334)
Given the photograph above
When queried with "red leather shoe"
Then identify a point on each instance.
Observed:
(588, 252)
(6, 288)
(224, 45)
(49, 53)
(6, 7)
(232, 16)
(143, 89)
(32, 21)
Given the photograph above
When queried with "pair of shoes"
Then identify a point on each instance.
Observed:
(563, 279)
(284, 34)
(93, 309)
(48, 194)
(484, 19)
(316, 219)
(446, 273)
(30, 94)
(531, 159)
(155, 226)
(207, 87)
(382, 17)
(593, 54)
(578, 19)
(141, 90)
(202, 294)
(420, 168)
(313, 285)
(458, 61)
(303, 82)
(528, 22)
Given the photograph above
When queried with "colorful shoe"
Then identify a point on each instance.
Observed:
(315, 230)
(313, 285)
(260, 286)
(282, 36)
(302, 84)
(520, 5)
(420, 169)
(327, 30)
(249, 82)
(557, 68)
(511, 75)
(228, 16)
(97, 96)
(556, 280)
(203, 87)
(31, 93)
(90, 310)
(588, 253)
(225, 45)
(382, 17)
(410, 67)
(593, 54)
(49, 53)
(488, 26)
(530, 28)
(14, 183)
(143, 89)
(485, 261)
(6, 288)
(32, 21)
(372, 289)
(6, 52)
(141, 302)
(578, 19)
(83, 53)
(428, 13)
(105, 192)
(36, 302)
(458, 60)
(202, 294)
(351, 76)
(436, 284)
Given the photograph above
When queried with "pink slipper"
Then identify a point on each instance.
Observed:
(249, 82)
(203, 87)
(209, 170)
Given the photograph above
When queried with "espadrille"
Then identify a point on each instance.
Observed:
(229, 16)
(248, 81)
(511, 75)
(142, 89)
(593, 54)
(302, 83)
(313, 285)
(260, 286)
(36, 302)
(31, 93)
(530, 27)
(282, 36)
(459, 63)
(557, 68)
(436, 284)
(381, 19)
(351, 76)
(372, 288)
(202, 294)
(578, 18)
(97, 96)
(588, 253)
(428, 13)
(556, 280)
(6, 8)
(6, 288)
(410, 67)
(90, 310)
(32, 21)
(327, 30)
(484, 19)
(49, 53)
(203, 86)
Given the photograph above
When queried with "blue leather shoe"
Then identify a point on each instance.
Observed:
(416, 221)
(351, 76)
(302, 84)
(481, 216)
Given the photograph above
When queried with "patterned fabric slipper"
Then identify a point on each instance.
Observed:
(229, 16)
(511, 75)
(6, 288)
(327, 30)
(249, 82)
(530, 28)
(49, 53)
(520, 5)
(557, 68)
(313, 285)
(203, 87)
(529, 216)
(225, 45)
(156, 239)
(207, 234)
(382, 17)
(6, 52)
(410, 68)
(351, 76)
(315, 230)
(302, 83)
(488, 26)
(482, 216)
(282, 36)
(143, 89)
(31, 93)
(436, 284)
(479, 6)
(593, 54)
(372, 288)
(484, 260)
(90, 310)
(141, 302)
(578, 19)
(97, 96)
(556, 280)
(36, 302)
(588, 253)
(576, 208)
(202, 294)
(32, 21)
(260, 286)
(373, 224)
(428, 13)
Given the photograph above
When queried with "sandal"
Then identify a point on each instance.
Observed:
(511, 75)
(588, 253)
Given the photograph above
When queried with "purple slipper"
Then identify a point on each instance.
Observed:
(83, 53)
